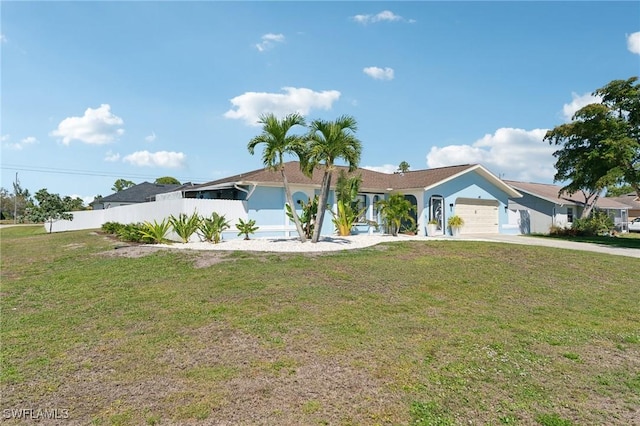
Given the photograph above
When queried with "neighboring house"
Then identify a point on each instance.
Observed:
(545, 205)
(470, 191)
(632, 201)
(141, 193)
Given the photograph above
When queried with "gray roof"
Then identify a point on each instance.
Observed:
(140, 193)
(554, 194)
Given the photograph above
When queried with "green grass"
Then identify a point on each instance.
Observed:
(420, 333)
(626, 240)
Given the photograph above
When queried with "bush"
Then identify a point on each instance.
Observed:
(185, 226)
(131, 232)
(111, 227)
(598, 223)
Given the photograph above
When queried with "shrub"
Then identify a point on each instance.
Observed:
(185, 226)
(131, 233)
(155, 232)
(597, 223)
(111, 227)
(246, 228)
(211, 228)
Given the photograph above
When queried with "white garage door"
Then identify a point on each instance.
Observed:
(480, 216)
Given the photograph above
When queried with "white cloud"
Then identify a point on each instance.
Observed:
(3, 38)
(578, 102)
(512, 153)
(151, 137)
(269, 40)
(97, 126)
(112, 157)
(633, 43)
(385, 15)
(250, 105)
(385, 168)
(17, 146)
(379, 73)
(167, 159)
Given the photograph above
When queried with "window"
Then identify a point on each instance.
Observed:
(570, 214)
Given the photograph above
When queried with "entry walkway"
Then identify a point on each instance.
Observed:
(552, 242)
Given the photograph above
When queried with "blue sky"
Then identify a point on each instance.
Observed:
(96, 91)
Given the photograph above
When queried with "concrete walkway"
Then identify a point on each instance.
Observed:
(552, 242)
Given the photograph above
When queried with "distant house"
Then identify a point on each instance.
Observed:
(141, 193)
(470, 191)
(544, 205)
(632, 201)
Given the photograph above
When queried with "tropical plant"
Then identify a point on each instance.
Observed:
(346, 217)
(211, 227)
(185, 226)
(330, 141)
(308, 216)
(156, 232)
(246, 228)
(348, 213)
(395, 210)
(455, 222)
(403, 167)
(278, 142)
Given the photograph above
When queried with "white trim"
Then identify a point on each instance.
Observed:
(509, 190)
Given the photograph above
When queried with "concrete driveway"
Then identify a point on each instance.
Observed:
(552, 242)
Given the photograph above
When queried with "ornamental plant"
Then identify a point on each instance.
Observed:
(211, 227)
(246, 228)
(185, 226)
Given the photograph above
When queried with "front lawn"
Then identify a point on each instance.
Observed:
(420, 333)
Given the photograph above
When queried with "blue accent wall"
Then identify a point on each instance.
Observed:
(266, 206)
(469, 185)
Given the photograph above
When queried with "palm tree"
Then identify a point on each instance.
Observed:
(277, 143)
(395, 210)
(328, 142)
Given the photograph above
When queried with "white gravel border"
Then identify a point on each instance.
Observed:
(292, 245)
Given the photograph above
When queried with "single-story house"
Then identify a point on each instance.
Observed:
(141, 193)
(545, 205)
(633, 201)
(470, 191)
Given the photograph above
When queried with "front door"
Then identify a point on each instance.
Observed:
(436, 211)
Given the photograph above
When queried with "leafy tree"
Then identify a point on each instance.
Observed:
(73, 204)
(167, 180)
(618, 190)
(277, 142)
(403, 167)
(395, 210)
(14, 204)
(48, 208)
(330, 141)
(121, 184)
(600, 147)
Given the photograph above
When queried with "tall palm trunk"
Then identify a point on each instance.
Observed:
(322, 204)
(294, 213)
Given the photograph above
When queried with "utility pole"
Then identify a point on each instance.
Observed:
(15, 200)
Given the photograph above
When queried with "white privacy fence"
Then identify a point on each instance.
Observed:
(157, 210)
